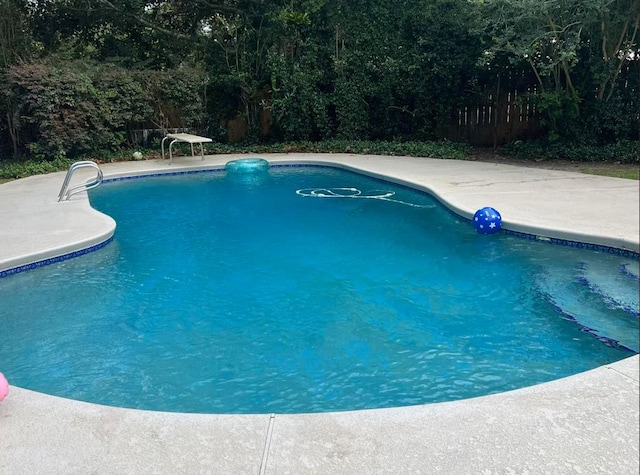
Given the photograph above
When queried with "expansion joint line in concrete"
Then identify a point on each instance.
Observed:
(267, 445)
(622, 374)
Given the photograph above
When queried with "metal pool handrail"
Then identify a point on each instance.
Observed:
(66, 192)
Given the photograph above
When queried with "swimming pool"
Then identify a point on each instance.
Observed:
(401, 282)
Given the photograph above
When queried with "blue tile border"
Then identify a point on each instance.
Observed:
(220, 169)
(576, 244)
(558, 241)
(54, 260)
(212, 170)
(155, 175)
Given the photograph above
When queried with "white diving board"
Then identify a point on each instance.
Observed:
(184, 138)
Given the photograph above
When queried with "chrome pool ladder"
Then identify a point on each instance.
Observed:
(66, 191)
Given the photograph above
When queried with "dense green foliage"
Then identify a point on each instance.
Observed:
(10, 169)
(75, 108)
(584, 55)
(443, 149)
(80, 76)
(623, 151)
(20, 169)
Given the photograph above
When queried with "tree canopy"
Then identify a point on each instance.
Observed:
(310, 69)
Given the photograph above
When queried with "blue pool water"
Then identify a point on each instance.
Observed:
(307, 290)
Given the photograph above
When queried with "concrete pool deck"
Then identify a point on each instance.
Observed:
(587, 423)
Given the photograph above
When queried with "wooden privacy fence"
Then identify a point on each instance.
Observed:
(490, 123)
(499, 119)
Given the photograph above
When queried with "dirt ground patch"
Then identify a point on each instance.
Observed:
(620, 170)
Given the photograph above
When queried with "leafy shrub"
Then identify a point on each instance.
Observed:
(74, 109)
(444, 149)
(176, 97)
(558, 111)
(608, 122)
(298, 106)
(623, 151)
(14, 169)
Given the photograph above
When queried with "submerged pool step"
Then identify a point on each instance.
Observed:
(617, 287)
(630, 269)
(612, 317)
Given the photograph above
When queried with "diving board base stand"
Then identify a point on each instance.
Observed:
(184, 138)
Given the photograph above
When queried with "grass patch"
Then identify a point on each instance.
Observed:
(613, 171)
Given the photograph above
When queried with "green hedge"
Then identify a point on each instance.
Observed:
(73, 109)
(443, 149)
(623, 151)
(20, 169)
(10, 170)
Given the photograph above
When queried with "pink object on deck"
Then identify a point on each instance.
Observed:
(4, 387)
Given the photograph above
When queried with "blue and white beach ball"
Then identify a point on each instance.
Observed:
(487, 221)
